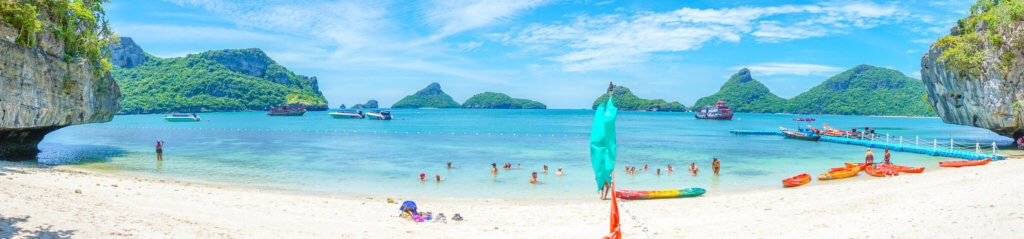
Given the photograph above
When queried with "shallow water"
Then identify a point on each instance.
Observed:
(316, 153)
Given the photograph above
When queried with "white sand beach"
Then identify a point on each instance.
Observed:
(980, 202)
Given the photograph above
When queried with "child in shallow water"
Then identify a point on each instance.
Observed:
(559, 173)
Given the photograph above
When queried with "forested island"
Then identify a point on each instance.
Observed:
(625, 100)
(493, 100)
(212, 81)
(430, 97)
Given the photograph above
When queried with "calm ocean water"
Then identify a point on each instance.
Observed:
(315, 153)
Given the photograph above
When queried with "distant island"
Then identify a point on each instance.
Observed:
(212, 81)
(493, 100)
(430, 97)
(861, 90)
(625, 100)
(370, 104)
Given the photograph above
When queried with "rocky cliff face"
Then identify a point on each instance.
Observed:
(41, 91)
(984, 100)
(125, 53)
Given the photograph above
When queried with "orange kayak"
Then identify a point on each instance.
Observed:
(965, 163)
(887, 170)
(839, 174)
(903, 169)
(874, 171)
(797, 180)
(848, 164)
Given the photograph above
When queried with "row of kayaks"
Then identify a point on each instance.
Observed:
(878, 170)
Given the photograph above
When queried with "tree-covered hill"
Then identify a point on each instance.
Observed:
(220, 80)
(861, 90)
(370, 104)
(864, 90)
(430, 97)
(493, 100)
(625, 100)
(745, 94)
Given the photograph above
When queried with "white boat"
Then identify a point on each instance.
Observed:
(348, 114)
(182, 118)
(379, 115)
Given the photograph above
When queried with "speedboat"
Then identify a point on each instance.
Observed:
(182, 118)
(287, 111)
(348, 114)
(379, 115)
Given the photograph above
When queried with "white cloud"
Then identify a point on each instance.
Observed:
(911, 51)
(454, 16)
(780, 68)
(922, 41)
(607, 41)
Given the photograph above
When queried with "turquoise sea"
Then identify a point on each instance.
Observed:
(318, 154)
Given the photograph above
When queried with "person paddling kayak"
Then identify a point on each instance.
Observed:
(869, 158)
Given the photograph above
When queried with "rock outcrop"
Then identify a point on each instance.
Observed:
(494, 100)
(42, 91)
(370, 104)
(125, 53)
(985, 94)
(625, 100)
(745, 94)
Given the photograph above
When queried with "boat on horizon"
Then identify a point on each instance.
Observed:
(718, 111)
(348, 114)
(379, 115)
(182, 117)
(287, 111)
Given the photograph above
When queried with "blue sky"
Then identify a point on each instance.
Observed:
(562, 53)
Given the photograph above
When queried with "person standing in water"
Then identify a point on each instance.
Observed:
(869, 158)
(159, 149)
(494, 168)
(545, 170)
(693, 168)
(533, 180)
(715, 165)
(886, 157)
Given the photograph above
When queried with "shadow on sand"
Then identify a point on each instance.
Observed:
(10, 229)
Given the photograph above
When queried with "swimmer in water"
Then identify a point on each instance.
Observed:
(559, 173)
(533, 180)
(423, 177)
(545, 170)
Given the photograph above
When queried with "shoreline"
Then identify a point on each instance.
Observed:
(964, 202)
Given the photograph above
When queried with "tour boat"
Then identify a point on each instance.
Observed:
(718, 111)
(182, 118)
(379, 115)
(287, 111)
(348, 114)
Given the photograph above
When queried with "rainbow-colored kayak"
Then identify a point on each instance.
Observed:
(678, 193)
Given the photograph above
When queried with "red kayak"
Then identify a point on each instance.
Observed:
(903, 169)
(965, 163)
(797, 180)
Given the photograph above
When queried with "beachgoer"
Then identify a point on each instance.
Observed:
(159, 149)
(494, 168)
(438, 178)
(716, 165)
(423, 177)
(669, 168)
(518, 166)
(645, 166)
(659, 171)
(449, 164)
(693, 168)
(632, 170)
(559, 173)
(545, 170)
(533, 180)
(627, 168)
(869, 158)
(886, 158)
(1020, 143)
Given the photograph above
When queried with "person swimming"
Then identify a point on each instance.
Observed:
(670, 168)
(545, 170)
(559, 173)
(659, 171)
(423, 177)
(450, 165)
(438, 178)
(533, 180)
(519, 166)
(693, 168)
(645, 166)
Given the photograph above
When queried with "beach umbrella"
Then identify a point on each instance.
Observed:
(602, 140)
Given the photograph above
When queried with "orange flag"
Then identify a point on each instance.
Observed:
(616, 230)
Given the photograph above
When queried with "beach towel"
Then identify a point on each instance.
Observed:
(602, 141)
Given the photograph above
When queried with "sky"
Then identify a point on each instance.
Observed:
(561, 53)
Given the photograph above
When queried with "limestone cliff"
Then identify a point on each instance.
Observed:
(981, 82)
(125, 53)
(42, 91)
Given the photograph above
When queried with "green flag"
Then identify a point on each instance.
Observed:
(602, 141)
